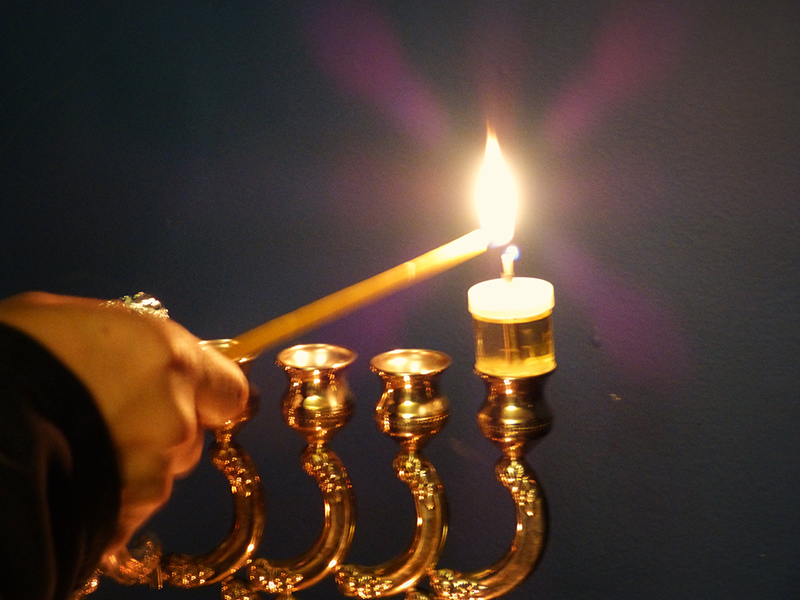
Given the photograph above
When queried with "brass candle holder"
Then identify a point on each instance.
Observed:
(317, 403)
(514, 417)
(411, 410)
(514, 352)
(514, 356)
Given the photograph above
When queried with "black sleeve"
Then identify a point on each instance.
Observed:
(59, 480)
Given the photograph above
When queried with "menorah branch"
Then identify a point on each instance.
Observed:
(402, 572)
(513, 417)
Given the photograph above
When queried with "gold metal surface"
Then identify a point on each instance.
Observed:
(145, 564)
(410, 410)
(230, 459)
(139, 564)
(221, 563)
(318, 400)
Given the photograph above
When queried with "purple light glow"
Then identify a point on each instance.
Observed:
(634, 49)
(638, 333)
(355, 46)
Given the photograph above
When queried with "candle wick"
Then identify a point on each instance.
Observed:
(508, 272)
(508, 257)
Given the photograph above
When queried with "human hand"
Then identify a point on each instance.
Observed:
(156, 387)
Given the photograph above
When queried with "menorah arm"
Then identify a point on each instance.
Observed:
(249, 508)
(405, 570)
(145, 564)
(526, 549)
(333, 542)
(514, 416)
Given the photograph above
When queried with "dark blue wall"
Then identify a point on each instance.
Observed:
(238, 160)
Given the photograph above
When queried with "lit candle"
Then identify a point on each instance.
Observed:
(496, 202)
(513, 327)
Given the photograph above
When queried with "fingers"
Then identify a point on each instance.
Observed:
(146, 485)
(222, 389)
(119, 355)
(186, 457)
(147, 479)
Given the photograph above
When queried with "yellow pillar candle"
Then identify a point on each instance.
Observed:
(513, 326)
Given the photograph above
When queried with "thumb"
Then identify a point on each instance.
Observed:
(222, 388)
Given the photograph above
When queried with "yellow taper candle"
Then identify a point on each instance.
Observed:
(350, 298)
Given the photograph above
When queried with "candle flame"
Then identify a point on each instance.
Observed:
(496, 194)
(511, 253)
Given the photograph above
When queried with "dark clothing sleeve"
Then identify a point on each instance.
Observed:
(59, 481)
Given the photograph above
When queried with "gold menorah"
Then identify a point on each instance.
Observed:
(515, 355)
(317, 403)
